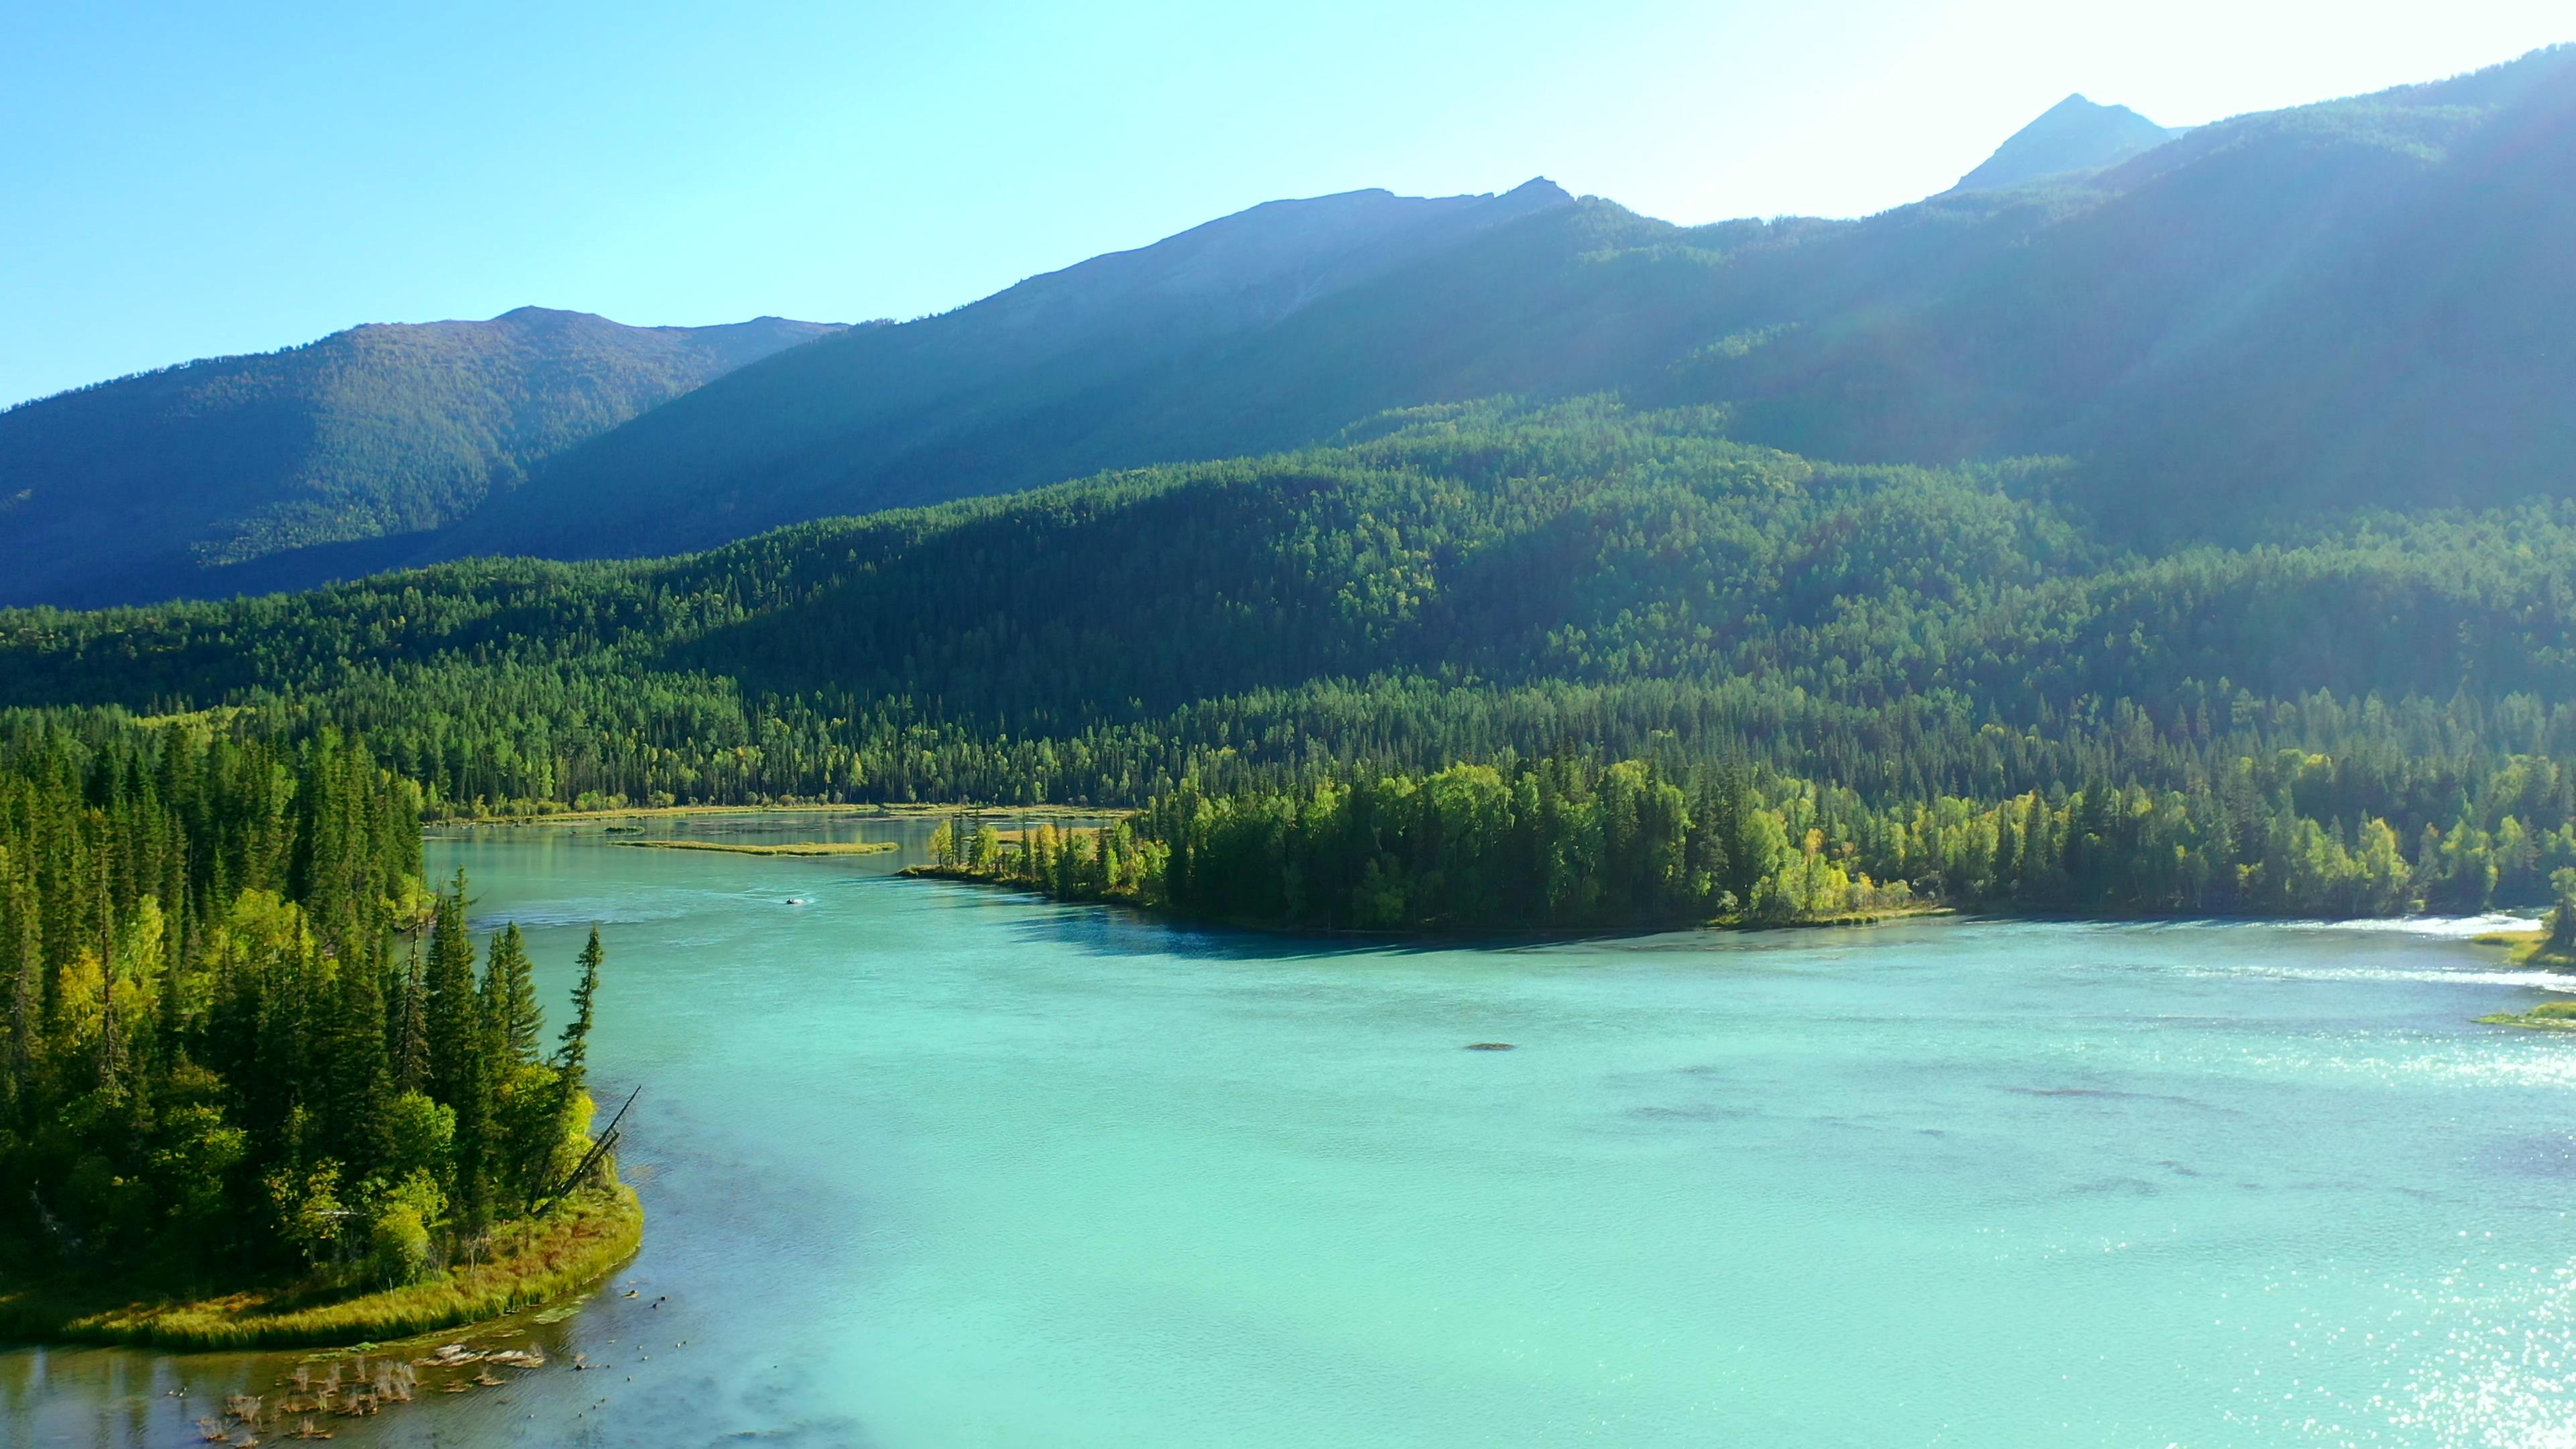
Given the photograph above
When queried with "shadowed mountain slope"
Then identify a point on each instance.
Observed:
(2360, 303)
(2351, 303)
(1013, 391)
(156, 484)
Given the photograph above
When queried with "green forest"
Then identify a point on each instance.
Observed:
(1979, 687)
(1566, 843)
(221, 1065)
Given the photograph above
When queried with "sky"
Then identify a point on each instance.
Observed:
(182, 181)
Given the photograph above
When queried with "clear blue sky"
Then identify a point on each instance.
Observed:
(186, 180)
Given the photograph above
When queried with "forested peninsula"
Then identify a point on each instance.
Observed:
(235, 1106)
(1566, 844)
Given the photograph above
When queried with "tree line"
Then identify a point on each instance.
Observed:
(1569, 843)
(219, 1063)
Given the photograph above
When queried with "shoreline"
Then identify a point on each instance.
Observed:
(962, 876)
(2528, 948)
(861, 810)
(2526, 944)
(556, 1256)
(800, 848)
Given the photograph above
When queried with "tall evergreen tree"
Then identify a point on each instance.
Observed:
(510, 990)
(358, 1074)
(572, 1053)
(408, 1027)
(460, 1065)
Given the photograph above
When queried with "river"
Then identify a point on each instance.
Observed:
(932, 1166)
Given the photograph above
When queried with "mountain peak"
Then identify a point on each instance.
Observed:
(2074, 135)
(530, 314)
(1536, 192)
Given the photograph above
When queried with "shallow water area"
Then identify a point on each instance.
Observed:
(934, 1165)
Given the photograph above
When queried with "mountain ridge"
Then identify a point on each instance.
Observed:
(868, 420)
(2104, 314)
(161, 480)
(2349, 304)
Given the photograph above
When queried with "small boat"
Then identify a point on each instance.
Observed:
(796, 900)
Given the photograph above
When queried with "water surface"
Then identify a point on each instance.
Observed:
(934, 1166)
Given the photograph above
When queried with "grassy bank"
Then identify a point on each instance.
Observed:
(550, 816)
(568, 1249)
(2547, 1016)
(2527, 948)
(1877, 916)
(811, 847)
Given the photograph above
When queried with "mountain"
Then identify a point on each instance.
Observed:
(1009, 392)
(2351, 305)
(2354, 303)
(2073, 135)
(173, 481)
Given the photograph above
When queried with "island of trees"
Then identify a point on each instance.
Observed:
(230, 1072)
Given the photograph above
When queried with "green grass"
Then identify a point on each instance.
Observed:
(810, 847)
(569, 1248)
(2548, 1016)
(2530, 948)
(1873, 916)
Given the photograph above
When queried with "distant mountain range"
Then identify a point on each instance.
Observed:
(2355, 304)
(1104, 364)
(183, 480)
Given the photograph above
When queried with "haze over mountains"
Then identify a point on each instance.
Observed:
(2357, 303)
(177, 481)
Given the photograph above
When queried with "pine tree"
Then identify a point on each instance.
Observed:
(572, 1054)
(451, 1007)
(2561, 940)
(20, 964)
(358, 1080)
(408, 1030)
(460, 1072)
(510, 990)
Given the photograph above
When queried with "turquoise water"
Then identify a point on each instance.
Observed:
(935, 1166)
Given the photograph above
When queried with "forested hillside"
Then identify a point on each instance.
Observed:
(215, 1066)
(2357, 302)
(1026, 387)
(1490, 583)
(184, 480)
